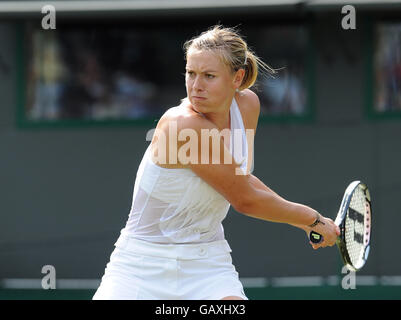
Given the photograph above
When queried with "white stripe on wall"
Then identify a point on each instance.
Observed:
(248, 282)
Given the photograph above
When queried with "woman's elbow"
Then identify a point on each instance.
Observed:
(242, 204)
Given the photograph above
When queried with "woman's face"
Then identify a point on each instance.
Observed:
(210, 83)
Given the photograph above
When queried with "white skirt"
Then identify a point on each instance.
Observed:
(148, 271)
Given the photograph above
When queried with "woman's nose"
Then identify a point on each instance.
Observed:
(197, 84)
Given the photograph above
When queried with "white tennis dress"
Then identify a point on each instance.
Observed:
(173, 245)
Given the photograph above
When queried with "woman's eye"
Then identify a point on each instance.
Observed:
(210, 76)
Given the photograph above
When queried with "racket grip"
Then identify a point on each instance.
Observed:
(315, 237)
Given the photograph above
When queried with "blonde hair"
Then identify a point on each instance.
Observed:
(233, 51)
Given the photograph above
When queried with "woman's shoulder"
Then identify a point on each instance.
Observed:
(249, 100)
(174, 128)
(249, 105)
(182, 116)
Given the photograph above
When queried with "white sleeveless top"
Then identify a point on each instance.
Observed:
(177, 206)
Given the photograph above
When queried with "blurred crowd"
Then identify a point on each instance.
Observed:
(387, 67)
(75, 82)
(130, 74)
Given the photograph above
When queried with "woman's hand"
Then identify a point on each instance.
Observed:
(327, 229)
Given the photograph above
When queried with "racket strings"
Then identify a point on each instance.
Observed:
(355, 226)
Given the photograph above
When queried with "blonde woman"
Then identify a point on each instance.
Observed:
(173, 245)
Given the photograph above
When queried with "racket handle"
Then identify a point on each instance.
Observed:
(315, 237)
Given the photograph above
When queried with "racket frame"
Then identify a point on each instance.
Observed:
(341, 221)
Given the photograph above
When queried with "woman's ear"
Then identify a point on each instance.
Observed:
(238, 77)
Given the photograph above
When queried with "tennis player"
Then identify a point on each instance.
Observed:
(173, 245)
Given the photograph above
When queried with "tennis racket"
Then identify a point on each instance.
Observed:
(355, 223)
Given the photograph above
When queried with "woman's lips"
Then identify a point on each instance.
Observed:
(198, 98)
